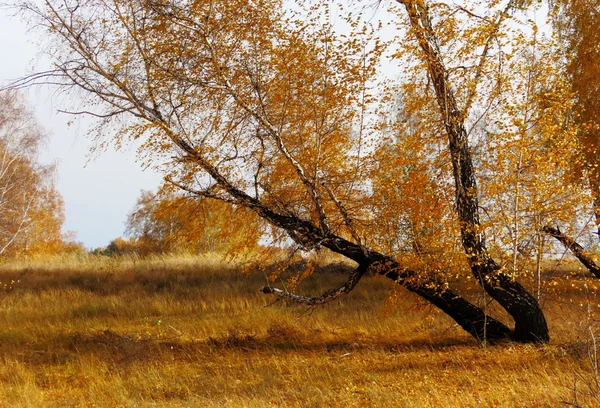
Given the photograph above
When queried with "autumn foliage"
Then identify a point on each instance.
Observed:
(31, 208)
(432, 151)
(169, 223)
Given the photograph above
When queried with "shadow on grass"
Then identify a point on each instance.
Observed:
(158, 279)
(124, 349)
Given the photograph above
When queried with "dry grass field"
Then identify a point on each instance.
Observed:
(193, 332)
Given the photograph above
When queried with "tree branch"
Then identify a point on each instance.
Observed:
(484, 54)
(577, 250)
(328, 296)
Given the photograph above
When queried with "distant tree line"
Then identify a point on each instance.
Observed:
(171, 223)
(31, 208)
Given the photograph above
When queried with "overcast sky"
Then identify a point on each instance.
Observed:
(98, 195)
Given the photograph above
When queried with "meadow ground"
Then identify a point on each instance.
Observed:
(192, 332)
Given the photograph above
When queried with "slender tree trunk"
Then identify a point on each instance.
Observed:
(539, 255)
(594, 179)
(580, 253)
(516, 204)
(530, 323)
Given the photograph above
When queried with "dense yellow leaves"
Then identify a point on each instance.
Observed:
(577, 22)
(170, 223)
(516, 106)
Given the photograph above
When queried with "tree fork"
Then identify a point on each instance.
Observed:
(132, 90)
(530, 323)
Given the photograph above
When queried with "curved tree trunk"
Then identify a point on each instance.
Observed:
(141, 97)
(530, 323)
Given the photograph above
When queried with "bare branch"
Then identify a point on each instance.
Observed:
(328, 296)
(97, 115)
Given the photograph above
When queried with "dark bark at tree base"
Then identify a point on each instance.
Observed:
(530, 323)
(531, 327)
(577, 250)
(467, 315)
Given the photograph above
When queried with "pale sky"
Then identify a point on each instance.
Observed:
(99, 195)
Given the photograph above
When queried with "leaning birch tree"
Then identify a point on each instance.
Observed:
(273, 109)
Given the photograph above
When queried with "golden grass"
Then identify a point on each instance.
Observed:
(195, 332)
